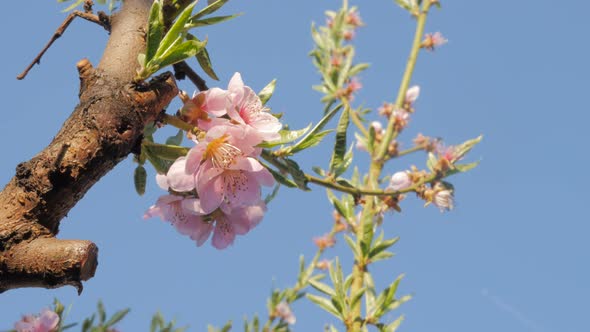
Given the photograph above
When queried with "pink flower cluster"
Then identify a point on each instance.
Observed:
(47, 321)
(217, 186)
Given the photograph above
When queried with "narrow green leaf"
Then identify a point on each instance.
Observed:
(466, 146)
(267, 91)
(310, 141)
(431, 161)
(209, 21)
(205, 63)
(297, 174)
(227, 326)
(181, 52)
(272, 195)
(287, 136)
(316, 129)
(392, 327)
(155, 31)
(352, 244)
(102, 315)
(460, 168)
(140, 179)
(72, 6)
(322, 287)
(176, 139)
(356, 297)
(381, 256)
(175, 30)
(164, 151)
(280, 178)
(117, 317)
(318, 170)
(382, 246)
(356, 69)
(325, 304)
(209, 9)
(339, 150)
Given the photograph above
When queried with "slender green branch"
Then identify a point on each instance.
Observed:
(410, 150)
(382, 149)
(176, 122)
(364, 231)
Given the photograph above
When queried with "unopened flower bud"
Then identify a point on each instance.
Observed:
(400, 181)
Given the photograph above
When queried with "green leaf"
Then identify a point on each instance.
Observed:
(87, 324)
(381, 256)
(164, 151)
(460, 168)
(352, 244)
(322, 287)
(117, 317)
(356, 297)
(405, 4)
(280, 178)
(155, 31)
(325, 304)
(466, 146)
(298, 175)
(337, 160)
(102, 315)
(72, 6)
(176, 139)
(316, 129)
(209, 9)
(175, 30)
(356, 69)
(205, 63)
(392, 327)
(287, 136)
(310, 141)
(209, 21)
(380, 246)
(140, 179)
(181, 52)
(318, 170)
(431, 161)
(227, 326)
(272, 195)
(267, 91)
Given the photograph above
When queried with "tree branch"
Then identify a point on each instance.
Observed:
(104, 128)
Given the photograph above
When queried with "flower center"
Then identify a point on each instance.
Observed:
(222, 153)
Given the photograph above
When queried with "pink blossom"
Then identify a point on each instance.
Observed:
(401, 118)
(47, 321)
(450, 153)
(238, 221)
(433, 40)
(353, 18)
(438, 39)
(177, 178)
(444, 200)
(324, 264)
(177, 210)
(284, 312)
(324, 241)
(226, 173)
(412, 94)
(214, 101)
(246, 108)
(400, 181)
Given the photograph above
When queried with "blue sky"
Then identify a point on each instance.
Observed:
(513, 254)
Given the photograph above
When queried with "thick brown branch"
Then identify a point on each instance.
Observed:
(101, 19)
(104, 128)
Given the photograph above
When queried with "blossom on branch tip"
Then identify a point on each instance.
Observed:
(412, 95)
(283, 311)
(47, 321)
(444, 200)
(226, 173)
(246, 108)
(325, 241)
(433, 40)
(400, 181)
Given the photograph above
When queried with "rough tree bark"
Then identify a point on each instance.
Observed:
(103, 129)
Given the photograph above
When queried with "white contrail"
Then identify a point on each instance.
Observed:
(512, 311)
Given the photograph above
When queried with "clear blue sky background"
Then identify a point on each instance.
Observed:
(514, 254)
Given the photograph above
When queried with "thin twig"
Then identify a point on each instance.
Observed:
(101, 19)
(182, 68)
